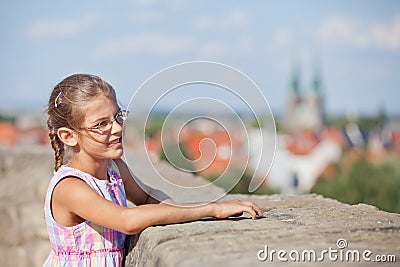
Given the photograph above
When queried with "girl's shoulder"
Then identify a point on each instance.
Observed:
(65, 171)
(96, 184)
(62, 173)
(69, 172)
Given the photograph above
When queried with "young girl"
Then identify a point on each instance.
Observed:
(86, 213)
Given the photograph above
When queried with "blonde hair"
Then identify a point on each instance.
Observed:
(65, 106)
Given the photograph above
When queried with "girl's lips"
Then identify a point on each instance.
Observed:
(116, 141)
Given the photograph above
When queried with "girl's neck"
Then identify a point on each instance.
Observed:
(96, 168)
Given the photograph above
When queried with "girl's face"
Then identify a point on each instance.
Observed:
(95, 142)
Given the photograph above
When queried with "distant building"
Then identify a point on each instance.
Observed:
(304, 111)
(24, 130)
(299, 159)
(8, 133)
(211, 148)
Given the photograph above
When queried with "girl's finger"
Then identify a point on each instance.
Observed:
(253, 206)
(251, 211)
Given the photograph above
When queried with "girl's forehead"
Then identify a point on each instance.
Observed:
(99, 106)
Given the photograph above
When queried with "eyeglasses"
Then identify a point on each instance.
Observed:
(106, 125)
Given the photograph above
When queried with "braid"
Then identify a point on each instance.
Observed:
(57, 145)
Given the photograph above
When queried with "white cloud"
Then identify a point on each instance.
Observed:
(387, 35)
(282, 37)
(155, 43)
(361, 34)
(216, 49)
(181, 5)
(234, 20)
(147, 17)
(41, 29)
(213, 49)
(144, 2)
(166, 45)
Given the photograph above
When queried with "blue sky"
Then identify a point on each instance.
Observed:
(355, 44)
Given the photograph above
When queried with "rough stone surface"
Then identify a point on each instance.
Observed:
(301, 223)
(24, 175)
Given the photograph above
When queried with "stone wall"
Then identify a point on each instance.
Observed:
(291, 223)
(24, 176)
(307, 222)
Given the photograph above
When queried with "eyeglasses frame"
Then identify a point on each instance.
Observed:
(109, 121)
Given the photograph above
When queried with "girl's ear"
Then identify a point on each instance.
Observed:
(68, 136)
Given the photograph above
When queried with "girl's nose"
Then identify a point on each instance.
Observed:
(117, 127)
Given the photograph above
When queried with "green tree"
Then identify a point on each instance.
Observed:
(242, 187)
(365, 182)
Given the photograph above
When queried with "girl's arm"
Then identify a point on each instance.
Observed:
(135, 192)
(77, 198)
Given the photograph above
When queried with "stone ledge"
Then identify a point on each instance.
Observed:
(306, 222)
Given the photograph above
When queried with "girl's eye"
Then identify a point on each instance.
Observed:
(102, 124)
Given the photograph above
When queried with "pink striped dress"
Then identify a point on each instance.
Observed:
(86, 244)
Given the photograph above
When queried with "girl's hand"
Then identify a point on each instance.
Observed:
(235, 208)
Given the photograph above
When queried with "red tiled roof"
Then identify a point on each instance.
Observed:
(8, 133)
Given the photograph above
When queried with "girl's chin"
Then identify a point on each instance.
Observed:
(118, 153)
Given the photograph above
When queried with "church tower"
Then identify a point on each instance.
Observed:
(304, 111)
(293, 101)
(314, 99)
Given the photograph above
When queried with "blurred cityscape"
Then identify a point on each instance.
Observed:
(353, 159)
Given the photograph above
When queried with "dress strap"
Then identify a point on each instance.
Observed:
(116, 183)
(66, 171)
(113, 168)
